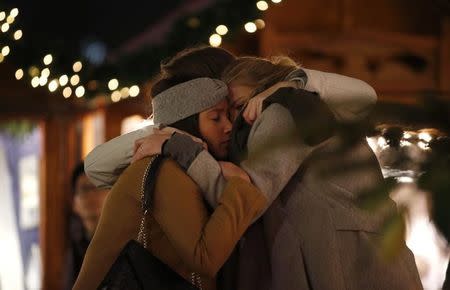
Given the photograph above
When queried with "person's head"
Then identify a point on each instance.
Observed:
(212, 123)
(87, 200)
(248, 76)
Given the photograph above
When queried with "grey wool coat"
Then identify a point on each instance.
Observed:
(313, 235)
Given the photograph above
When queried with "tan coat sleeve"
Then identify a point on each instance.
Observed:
(203, 242)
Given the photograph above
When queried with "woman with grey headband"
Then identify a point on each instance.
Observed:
(182, 234)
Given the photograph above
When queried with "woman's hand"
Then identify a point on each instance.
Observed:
(254, 105)
(152, 144)
(231, 170)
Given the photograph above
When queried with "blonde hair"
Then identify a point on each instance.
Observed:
(258, 72)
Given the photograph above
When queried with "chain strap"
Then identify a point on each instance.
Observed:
(196, 280)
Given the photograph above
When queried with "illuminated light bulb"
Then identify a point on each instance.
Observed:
(125, 92)
(5, 50)
(18, 34)
(10, 19)
(63, 80)
(33, 71)
(113, 84)
(67, 92)
(5, 27)
(77, 66)
(215, 40)
(48, 59)
(14, 12)
(134, 91)
(115, 96)
(250, 27)
(19, 74)
(260, 24)
(79, 92)
(276, 1)
(2, 15)
(35, 82)
(74, 80)
(425, 137)
(43, 81)
(221, 30)
(2, 58)
(262, 5)
(53, 85)
(45, 72)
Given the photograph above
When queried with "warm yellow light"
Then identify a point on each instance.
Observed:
(79, 92)
(10, 19)
(276, 1)
(260, 24)
(45, 72)
(115, 96)
(134, 91)
(19, 74)
(2, 15)
(5, 50)
(250, 27)
(53, 85)
(222, 30)
(5, 27)
(77, 66)
(67, 92)
(63, 80)
(113, 84)
(33, 71)
(74, 80)
(262, 5)
(125, 92)
(2, 58)
(18, 34)
(14, 12)
(48, 59)
(43, 81)
(35, 82)
(215, 40)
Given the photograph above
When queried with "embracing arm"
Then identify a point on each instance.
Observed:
(105, 163)
(274, 155)
(350, 99)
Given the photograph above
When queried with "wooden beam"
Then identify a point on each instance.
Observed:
(59, 151)
(444, 73)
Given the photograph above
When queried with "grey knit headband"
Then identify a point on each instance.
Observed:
(187, 99)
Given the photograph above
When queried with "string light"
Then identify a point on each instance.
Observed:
(5, 50)
(134, 91)
(48, 59)
(10, 19)
(43, 81)
(2, 15)
(74, 80)
(63, 80)
(35, 82)
(125, 92)
(67, 92)
(222, 30)
(33, 71)
(2, 58)
(260, 24)
(79, 92)
(250, 27)
(77, 66)
(115, 96)
(14, 12)
(215, 40)
(19, 74)
(53, 85)
(18, 34)
(262, 5)
(5, 27)
(113, 84)
(45, 72)
(276, 1)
